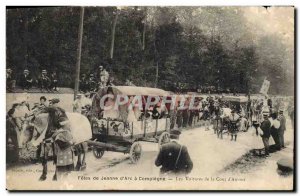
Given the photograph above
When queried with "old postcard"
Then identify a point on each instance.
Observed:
(150, 98)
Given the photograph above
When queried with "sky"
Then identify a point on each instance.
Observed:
(273, 20)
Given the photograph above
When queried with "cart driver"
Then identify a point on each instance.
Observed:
(173, 157)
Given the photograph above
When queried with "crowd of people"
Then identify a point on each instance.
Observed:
(25, 81)
(93, 81)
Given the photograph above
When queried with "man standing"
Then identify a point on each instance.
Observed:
(233, 125)
(58, 134)
(282, 128)
(275, 124)
(103, 76)
(174, 157)
(92, 85)
(265, 131)
(83, 83)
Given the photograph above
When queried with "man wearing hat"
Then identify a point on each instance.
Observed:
(83, 83)
(10, 81)
(92, 85)
(233, 125)
(103, 76)
(26, 80)
(174, 157)
(275, 124)
(282, 127)
(264, 130)
(44, 81)
(58, 134)
(54, 81)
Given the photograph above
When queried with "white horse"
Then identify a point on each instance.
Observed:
(35, 133)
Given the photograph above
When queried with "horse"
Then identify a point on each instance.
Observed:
(35, 130)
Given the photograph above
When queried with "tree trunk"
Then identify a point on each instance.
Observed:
(79, 52)
(144, 30)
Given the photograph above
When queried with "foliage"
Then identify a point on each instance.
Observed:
(207, 46)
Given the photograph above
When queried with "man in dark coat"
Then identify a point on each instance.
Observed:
(174, 157)
(54, 81)
(26, 80)
(265, 135)
(44, 81)
(282, 128)
(58, 134)
(275, 124)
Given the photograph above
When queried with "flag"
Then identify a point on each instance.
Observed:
(265, 87)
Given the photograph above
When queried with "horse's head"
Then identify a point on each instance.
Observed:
(33, 127)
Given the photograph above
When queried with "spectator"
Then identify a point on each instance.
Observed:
(265, 131)
(44, 81)
(26, 80)
(92, 85)
(282, 128)
(10, 82)
(103, 76)
(83, 83)
(54, 81)
(275, 124)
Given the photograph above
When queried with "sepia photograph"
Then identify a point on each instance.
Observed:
(150, 98)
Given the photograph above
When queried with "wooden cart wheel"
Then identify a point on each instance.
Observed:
(98, 152)
(135, 152)
(163, 138)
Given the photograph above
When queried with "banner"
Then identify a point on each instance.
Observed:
(265, 87)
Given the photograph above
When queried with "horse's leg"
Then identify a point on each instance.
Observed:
(82, 152)
(78, 164)
(44, 174)
(83, 159)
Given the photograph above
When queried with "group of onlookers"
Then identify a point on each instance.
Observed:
(95, 80)
(45, 82)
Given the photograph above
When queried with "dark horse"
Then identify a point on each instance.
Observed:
(36, 129)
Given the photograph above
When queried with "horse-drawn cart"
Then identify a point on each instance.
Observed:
(123, 126)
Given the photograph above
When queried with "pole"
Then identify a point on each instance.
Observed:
(156, 75)
(79, 52)
(112, 44)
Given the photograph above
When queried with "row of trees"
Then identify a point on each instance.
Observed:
(151, 46)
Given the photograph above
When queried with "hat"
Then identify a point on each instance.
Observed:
(174, 134)
(54, 100)
(44, 71)
(43, 97)
(26, 71)
(265, 112)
